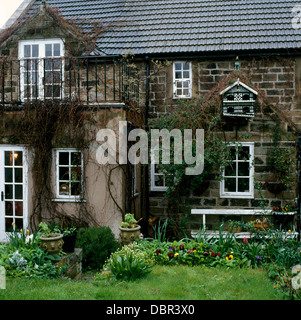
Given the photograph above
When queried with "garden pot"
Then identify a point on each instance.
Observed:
(234, 229)
(69, 243)
(261, 226)
(52, 243)
(129, 235)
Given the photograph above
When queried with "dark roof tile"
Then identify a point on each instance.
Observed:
(166, 26)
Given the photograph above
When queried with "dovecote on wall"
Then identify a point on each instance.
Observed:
(238, 100)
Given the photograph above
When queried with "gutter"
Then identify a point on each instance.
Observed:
(220, 54)
(146, 168)
(299, 188)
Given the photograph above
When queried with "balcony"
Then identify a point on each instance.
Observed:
(85, 80)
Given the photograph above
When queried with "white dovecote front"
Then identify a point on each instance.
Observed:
(238, 100)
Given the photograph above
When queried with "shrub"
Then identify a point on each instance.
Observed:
(97, 244)
(129, 263)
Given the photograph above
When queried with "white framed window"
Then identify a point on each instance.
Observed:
(41, 69)
(158, 179)
(238, 181)
(182, 79)
(69, 174)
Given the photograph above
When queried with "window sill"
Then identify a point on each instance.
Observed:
(68, 200)
(236, 196)
(181, 97)
(161, 189)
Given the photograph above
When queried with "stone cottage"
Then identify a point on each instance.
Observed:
(234, 67)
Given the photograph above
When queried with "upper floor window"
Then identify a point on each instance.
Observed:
(237, 179)
(182, 80)
(41, 69)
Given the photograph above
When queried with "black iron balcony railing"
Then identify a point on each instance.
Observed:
(88, 80)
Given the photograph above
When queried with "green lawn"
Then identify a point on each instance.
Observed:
(163, 283)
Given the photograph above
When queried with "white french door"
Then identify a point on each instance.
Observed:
(13, 190)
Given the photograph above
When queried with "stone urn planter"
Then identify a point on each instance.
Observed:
(52, 243)
(129, 235)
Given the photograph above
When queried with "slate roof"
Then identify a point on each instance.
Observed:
(192, 26)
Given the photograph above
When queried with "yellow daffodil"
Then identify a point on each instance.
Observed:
(12, 224)
(27, 232)
(289, 231)
(21, 230)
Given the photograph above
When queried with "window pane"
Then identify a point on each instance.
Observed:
(230, 185)
(8, 225)
(243, 185)
(186, 74)
(178, 75)
(8, 155)
(75, 188)
(186, 66)
(63, 158)
(56, 75)
(19, 175)
(34, 77)
(76, 174)
(64, 173)
(64, 189)
(48, 64)
(18, 155)
(232, 154)
(56, 50)
(8, 175)
(19, 208)
(178, 66)
(19, 192)
(19, 224)
(8, 208)
(35, 51)
(8, 191)
(56, 91)
(159, 180)
(48, 77)
(48, 50)
(230, 170)
(185, 84)
(57, 64)
(243, 169)
(244, 153)
(26, 51)
(185, 92)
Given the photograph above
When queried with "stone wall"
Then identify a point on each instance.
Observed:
(73, 263)
(278, 79)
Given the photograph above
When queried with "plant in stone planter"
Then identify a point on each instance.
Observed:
(51, 241)
(129, 230)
